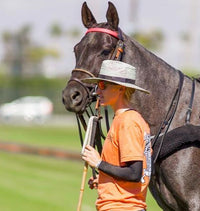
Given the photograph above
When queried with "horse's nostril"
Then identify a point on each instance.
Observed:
(63, 100)
(75, 95)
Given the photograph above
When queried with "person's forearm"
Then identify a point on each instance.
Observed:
(129, 173)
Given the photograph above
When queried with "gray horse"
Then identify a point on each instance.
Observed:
(175, 183)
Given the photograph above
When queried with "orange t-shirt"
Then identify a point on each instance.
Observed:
(128, 140)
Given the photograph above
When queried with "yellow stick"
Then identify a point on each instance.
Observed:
(85, 169)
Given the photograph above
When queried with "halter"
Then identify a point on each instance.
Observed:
(89, 93)
(84, 71)
(116, 54)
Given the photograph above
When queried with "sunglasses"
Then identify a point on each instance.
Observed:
(101, 85)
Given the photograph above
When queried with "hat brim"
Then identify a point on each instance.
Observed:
(129, 85)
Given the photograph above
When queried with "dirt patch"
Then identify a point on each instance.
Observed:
(43, 151)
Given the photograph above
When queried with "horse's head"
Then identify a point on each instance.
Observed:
(90, 52)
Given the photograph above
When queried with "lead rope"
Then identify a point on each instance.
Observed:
(79, 129)
(106, 118)
(89, 140)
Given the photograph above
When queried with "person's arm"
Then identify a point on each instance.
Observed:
(131, 172)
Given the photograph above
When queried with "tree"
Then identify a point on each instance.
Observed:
(22, 55)
(151, 40)
(15, 45)
(56, 30)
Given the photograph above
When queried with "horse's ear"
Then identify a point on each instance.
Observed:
(87, 17)
(112, 16)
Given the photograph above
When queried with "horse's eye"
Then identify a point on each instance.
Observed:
(105, 52)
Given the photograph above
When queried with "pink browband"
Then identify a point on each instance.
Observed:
(102, 30)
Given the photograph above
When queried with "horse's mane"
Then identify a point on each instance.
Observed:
(152, 58)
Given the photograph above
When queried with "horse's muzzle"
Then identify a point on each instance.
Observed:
(74, 98)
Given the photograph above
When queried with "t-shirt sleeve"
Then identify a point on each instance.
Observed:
(130, 142)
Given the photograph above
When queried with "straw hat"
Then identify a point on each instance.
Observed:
(117, 72)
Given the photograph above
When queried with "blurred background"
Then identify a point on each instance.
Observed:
(36, 59)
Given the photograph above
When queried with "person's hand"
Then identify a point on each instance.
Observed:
(93, 183)
(91, 156)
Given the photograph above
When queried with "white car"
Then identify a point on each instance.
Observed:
(28, 108)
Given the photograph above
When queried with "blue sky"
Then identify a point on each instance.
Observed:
(172, 17)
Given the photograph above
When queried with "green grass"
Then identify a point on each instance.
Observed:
(59, 137)
(34, 183)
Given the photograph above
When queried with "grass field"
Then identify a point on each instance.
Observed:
(35, 183)
(58, 137)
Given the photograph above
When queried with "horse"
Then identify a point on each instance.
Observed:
(173, 103)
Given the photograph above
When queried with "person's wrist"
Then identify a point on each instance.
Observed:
(98, 164)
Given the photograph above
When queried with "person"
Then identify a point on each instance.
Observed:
(125, 162)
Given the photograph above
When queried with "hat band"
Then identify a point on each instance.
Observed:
(118, 79)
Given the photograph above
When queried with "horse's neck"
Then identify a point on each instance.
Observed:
(154, 75)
